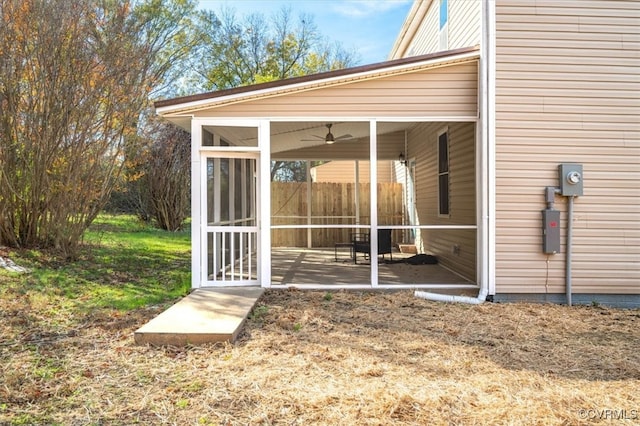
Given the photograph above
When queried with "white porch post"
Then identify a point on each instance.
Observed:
(357, 180)
(264, 204)
(373, 196)
(196, 141)
(309, 200)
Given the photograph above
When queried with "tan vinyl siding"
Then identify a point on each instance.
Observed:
(344, 172)
(423, 147)
(448, 91)
(568, 90)
(464, 27)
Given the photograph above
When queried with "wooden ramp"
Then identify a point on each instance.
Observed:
(204, 316)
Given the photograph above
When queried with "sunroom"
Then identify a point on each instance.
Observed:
(368, 177)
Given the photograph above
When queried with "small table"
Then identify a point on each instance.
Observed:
(343, 245)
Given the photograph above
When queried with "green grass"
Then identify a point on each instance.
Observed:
(125, 264)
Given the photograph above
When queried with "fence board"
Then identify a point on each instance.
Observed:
(331, 204)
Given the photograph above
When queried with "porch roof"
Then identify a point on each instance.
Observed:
(186, 105)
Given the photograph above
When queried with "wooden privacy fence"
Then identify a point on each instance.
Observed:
(331, 204)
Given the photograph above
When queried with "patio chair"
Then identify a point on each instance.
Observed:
(362, 244)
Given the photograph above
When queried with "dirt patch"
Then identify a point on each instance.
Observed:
(328, 359)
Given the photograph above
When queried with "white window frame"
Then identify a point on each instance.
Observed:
(447, 173)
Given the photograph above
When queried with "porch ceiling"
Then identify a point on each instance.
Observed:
(298, 138)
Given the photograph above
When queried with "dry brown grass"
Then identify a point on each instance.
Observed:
(339, 359)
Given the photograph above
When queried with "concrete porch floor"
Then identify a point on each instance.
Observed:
(292, 266)
(204, 316)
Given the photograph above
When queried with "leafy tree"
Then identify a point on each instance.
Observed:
(74, 78)
(291, 171)
(256, 49)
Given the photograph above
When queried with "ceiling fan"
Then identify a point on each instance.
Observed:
(329, 138)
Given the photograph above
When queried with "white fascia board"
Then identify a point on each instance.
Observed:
(190, 107)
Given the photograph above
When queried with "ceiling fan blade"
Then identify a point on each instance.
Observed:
(344, 137)
(319, 138)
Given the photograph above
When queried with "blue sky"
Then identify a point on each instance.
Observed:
(368, 26)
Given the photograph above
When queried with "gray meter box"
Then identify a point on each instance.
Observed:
(551, 231)
(570, 179)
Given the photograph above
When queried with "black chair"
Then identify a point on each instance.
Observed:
(362, 244)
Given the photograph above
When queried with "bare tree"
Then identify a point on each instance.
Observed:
(74, 78)
(167, 175)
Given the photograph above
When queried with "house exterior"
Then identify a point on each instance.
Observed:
(491, 103)
(563, 86)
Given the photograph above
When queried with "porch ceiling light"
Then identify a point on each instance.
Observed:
(401, 159)
(329, 139)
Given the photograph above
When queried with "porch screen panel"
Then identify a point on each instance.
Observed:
(319, 188)
(217, 190)
(320, 202)
(224, 190)
(250, 190)
(231, 234)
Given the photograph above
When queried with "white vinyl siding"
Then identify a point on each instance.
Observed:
(465, 18)
(427, 37)
(462, 28)
(568, 90)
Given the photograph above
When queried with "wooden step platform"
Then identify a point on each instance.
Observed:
(204, 316)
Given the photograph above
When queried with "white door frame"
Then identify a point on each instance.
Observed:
(199, 228)
(234, 242)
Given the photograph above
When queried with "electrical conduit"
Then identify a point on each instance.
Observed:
(569, 244)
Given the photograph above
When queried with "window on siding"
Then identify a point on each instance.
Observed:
(444, 13)
(444, 24)
(443, 173)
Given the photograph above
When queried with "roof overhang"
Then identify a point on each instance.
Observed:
(188, 105)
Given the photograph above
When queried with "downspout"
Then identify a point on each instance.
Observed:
(487, 69)
(405, 192)
(437, 297)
